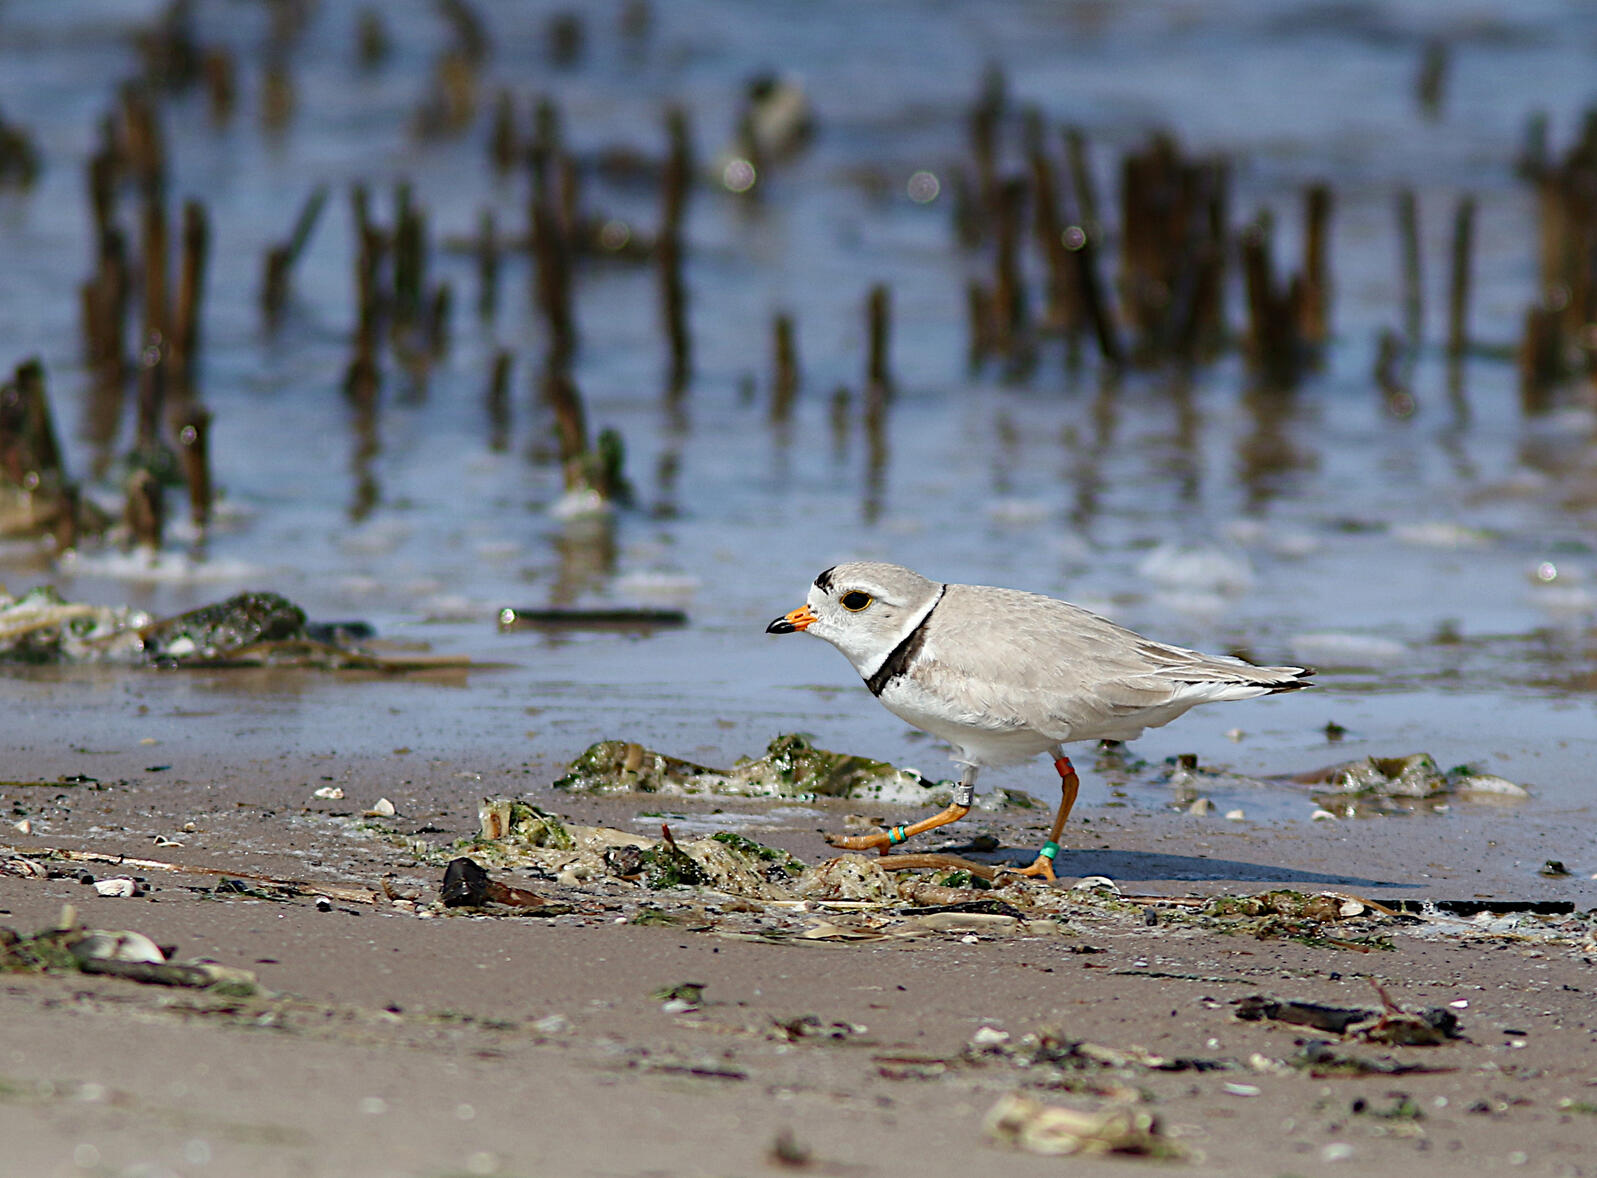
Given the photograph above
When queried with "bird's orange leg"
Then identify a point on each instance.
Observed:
(1069, 785)
(884, 840)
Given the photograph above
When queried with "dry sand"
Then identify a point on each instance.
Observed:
(504, 1044)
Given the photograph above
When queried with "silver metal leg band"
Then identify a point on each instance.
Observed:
(964, 794)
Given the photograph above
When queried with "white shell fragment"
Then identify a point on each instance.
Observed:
(121, 886)
(1094, 883)
(329, 793)
(100, 945)
(1201, 806)
(1235, 816)
(382, 808)
(986, 1036)
(1322, 816)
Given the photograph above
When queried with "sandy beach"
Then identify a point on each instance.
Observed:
(398, 1037)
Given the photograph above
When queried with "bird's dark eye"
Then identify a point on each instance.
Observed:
(856, 600)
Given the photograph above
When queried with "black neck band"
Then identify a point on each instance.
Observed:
(899, 658)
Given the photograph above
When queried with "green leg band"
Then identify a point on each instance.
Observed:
(896, 836)
(1049, 850)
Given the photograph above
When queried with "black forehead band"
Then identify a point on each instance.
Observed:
(824, 581)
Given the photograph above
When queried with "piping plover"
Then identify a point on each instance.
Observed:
(1003, 675)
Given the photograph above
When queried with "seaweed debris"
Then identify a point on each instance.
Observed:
(246, 630)
(792, 767)
(68, 947)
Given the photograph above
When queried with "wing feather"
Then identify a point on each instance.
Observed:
(1003, 659)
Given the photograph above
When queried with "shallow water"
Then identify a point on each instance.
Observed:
(1401, 557)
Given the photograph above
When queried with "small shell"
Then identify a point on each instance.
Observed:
(121, 886)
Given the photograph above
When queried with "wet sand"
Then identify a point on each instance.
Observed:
(397, 1043)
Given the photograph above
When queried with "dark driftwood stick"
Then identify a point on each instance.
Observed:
(280, 259)
(439, 310)
(979, 318)
(145, 511)
(1057, 315)
(784, 365)
(153, 247)
(142, 143)
(1458, 290)
(553, 271)
(410, 258)
(878, 313)
(502, 145)
(985, 115)
(1094, 302)
(1082, 188)
(221, 84)
(151, 396)
(190, 293)
(1408, 228)
(1275, 351)
(1009, 295)
(1541, 358)
(102, 190)
(571, 424)
(1315, 313)
(487, 266)
(65, 531)
(194, 449)
(1432, 79)
(679, 167)
(499, 402)
(42, 448)
(668, 252)
(362, 379)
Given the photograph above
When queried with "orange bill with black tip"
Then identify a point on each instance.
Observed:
(792, 621)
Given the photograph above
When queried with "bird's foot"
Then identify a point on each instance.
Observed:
(1043, 867)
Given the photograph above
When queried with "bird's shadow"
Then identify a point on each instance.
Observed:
(1147, 865)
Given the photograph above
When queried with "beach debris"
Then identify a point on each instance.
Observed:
(604, 618)
(121, 886)
(1379, 785)
(1391, 1024)
(20, 161)
(792, 767)
(1305, 918)
(522, 835)
(467, 885)
(679, 998)
(229, 879)
(1321, 1060)
(1024, 1123)
(329, 793)
(1047, 1048)
(1370, 786)
(787, 1150)
(68, 947)
(848, 877)
(382, 808)
(246, 630)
